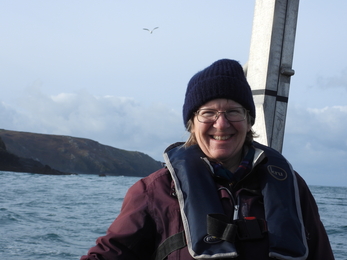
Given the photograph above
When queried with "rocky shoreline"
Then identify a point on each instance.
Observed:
(56, 154)
(11, 162)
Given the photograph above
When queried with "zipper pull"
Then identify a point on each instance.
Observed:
(236, 212)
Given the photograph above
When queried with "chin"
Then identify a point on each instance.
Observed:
(222, 157)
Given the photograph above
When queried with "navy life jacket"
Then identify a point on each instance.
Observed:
(199, 200)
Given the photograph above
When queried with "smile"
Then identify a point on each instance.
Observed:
(221, 137)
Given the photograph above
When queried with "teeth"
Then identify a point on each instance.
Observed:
(223, 137)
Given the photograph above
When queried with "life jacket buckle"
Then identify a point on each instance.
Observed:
(250, 228)
(219, 227)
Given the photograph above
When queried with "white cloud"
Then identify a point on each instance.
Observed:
(117, 121)
(316, 143)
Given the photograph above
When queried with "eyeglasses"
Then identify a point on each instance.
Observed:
(236, 114)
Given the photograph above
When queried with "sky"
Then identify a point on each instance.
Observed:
(86, 68)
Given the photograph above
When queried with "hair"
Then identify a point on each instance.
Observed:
(192, 139)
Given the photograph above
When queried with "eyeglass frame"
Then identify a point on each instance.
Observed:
(218, 113)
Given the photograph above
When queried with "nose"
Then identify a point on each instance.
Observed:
(222, 121)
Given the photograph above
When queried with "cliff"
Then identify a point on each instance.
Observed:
(13, 163)
(68, 154)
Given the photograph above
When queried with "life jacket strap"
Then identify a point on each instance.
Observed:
(219, 227)
(248, 228)
(170, 245)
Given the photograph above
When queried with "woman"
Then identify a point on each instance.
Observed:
(221, 195)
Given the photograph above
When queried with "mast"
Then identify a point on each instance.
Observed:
(269, 67)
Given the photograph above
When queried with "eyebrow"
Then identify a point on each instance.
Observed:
(228, 108)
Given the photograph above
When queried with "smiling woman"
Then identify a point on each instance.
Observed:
(255, 206)
(222, 139)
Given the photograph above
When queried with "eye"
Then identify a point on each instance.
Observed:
(207, 113)
(235, 111)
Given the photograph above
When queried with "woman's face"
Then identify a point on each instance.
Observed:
(221, 140)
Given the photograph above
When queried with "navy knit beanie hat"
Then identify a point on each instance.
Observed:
(223, 79)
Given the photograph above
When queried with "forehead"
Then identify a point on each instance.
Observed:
(221, 103)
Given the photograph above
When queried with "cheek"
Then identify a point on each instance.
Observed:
(196, 127)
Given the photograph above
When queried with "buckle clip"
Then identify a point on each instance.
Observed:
(250, 228)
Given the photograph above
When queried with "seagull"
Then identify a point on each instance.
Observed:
(150, 31)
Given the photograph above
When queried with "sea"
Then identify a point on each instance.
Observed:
(60, 217)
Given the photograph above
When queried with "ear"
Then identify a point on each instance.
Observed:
(191, 125)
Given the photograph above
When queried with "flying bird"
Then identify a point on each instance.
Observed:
(150, 31)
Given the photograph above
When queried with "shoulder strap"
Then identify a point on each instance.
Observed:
(169, 245)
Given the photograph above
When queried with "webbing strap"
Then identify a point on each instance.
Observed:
(169, 245)
(246, 229)
(219, 227)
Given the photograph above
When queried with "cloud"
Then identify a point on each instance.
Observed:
(9, 116)
(116, 121)
(316, 143)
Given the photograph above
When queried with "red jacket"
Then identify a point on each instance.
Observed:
(150, 214)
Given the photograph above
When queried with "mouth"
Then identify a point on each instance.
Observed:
(221, 137)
